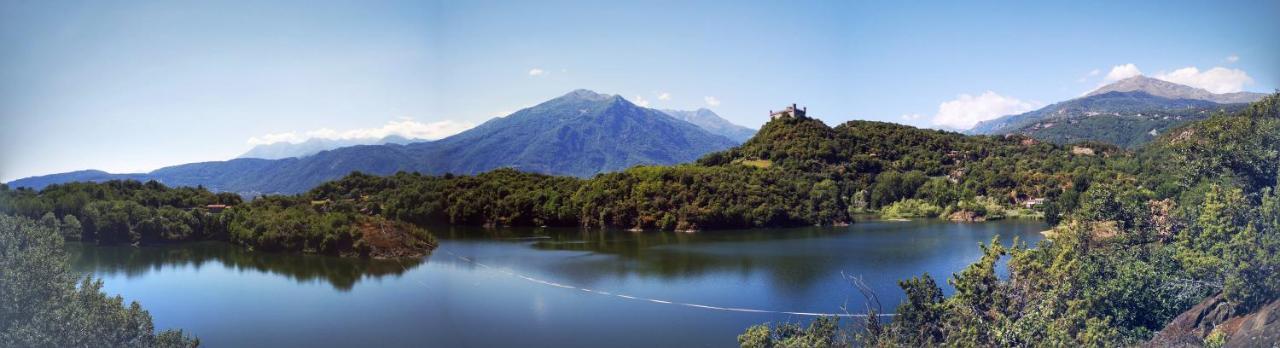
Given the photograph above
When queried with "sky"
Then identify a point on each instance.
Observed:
(131, 86)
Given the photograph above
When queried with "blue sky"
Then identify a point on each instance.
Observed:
(133, 86)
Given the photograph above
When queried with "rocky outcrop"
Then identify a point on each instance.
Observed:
(966, 216)
(381, 239)
(1192, 328)
(1258, 329)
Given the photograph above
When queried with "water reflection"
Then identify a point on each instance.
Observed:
(452, 301)
(791, 260)
(341, 273)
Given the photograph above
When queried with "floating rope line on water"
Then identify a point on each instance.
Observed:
(652, 300)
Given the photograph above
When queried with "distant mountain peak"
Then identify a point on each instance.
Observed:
(1166, 89)
(581, 133)
(1152, 86)
(586, 94)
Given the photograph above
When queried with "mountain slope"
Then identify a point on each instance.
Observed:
(713, 123)
(580, 134)
(1126, 113)
(1166, 89)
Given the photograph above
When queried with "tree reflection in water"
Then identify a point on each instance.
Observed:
(342, 273)
(792, 260)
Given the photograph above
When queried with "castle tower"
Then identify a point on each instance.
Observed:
(792, 111)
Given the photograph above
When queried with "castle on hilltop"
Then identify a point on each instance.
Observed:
(790, 112)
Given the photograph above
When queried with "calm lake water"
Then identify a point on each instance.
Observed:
(517, 287)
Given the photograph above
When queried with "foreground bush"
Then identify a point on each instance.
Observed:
(44, 304)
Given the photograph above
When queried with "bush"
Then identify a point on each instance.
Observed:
(910, 208)
(44, 304)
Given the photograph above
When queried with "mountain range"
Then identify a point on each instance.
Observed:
(713, 123)
(313, 146)
(1126, 113)
(1166, 89)
(581, 133)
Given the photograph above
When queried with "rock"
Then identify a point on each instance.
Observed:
(966, 216)
(392, 240)
(1261, 328)
(1188, 328)
(1258, 329)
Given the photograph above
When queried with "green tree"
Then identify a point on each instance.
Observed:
(44, 304)
(71, 227)
(920, 316)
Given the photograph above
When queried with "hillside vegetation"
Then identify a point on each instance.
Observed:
(816, 175)
(1201, 219)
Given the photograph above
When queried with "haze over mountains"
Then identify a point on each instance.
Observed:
(1126, 113)
(313, 146)
(582, 133)
(708, 120)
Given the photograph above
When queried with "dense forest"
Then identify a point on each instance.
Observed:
(131, 212)
(1198, 228)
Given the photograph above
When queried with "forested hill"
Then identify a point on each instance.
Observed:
(1175, 244)
(579, 134)
(795, 171)
(1013, 167)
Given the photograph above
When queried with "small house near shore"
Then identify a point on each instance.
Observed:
(1030, 203)
(216, 208)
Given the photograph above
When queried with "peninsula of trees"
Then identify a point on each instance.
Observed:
(130, 212)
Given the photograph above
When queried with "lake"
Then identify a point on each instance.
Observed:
(538, 287)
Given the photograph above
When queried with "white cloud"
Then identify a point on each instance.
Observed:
(537, 72)
(912, 117)
(967, 110)
(711, 101)
(639, 100)
(1120, 72)
(404, 127)
(1233, 58)
(1216, 79)
(664, 96)
(1095, 72)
